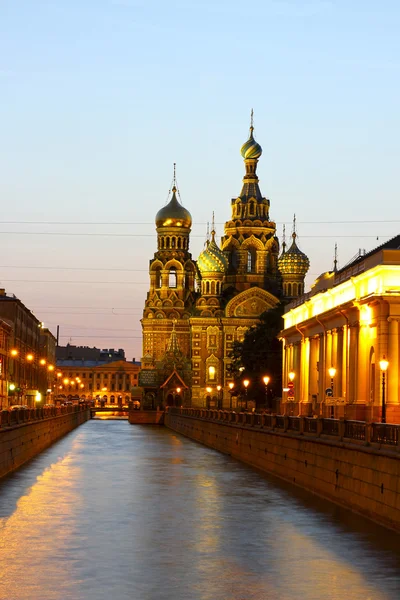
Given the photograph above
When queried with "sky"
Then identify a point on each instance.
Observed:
(98, 99)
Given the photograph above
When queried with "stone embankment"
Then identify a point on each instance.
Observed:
(26, 432)
(351, 463)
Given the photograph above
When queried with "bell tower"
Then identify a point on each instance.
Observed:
(172, 271)
(250, 243)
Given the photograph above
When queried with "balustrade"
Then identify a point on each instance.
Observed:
(379, 433)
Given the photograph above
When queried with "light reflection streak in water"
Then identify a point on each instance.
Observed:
(140, 513)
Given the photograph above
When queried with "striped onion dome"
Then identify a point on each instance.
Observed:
(251, 149)
(294, 261)
(212, 259)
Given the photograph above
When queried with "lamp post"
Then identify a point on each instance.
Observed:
(383, 365)
(219, 388)
(246, 385)
(231, 386)
(332, 373)
(266, 381)
(178, 391)
(208, 390)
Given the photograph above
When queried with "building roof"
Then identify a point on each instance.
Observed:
(77, 363)
(392, 244)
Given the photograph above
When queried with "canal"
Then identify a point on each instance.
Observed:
(115, 511)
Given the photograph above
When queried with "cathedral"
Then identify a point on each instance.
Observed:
(196, 310)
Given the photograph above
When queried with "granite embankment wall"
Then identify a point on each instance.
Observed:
(365, 479)
(21, 441)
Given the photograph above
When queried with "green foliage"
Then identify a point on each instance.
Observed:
(260, 354)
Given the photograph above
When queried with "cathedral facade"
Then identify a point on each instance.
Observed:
(196, 310)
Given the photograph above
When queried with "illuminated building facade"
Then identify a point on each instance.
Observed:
(338, 337)
(98, 380)
(196, 310)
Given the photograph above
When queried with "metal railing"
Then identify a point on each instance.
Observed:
(382, 434)
(10, 418)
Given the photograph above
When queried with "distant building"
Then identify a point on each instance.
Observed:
(98, 380)
(70, 352)
(23, 364)
(5, 340)
(336, 337)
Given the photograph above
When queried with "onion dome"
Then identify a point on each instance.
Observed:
(293, 261)
(173, 214)
(251, 149)
(212, 259)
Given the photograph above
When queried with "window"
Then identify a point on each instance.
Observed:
(212, 374)
(98, 375)
(172, 279)
(251, 261)
(97, 386)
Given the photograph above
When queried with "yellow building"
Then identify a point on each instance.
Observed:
(196, 310)
(339, 338)
(102, 382)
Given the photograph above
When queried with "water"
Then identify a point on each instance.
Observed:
(115, 511)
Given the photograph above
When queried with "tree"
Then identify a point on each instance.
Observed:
(260, 354)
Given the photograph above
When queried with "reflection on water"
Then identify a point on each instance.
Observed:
(128, 512)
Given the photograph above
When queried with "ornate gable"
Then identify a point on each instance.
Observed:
(250, 303)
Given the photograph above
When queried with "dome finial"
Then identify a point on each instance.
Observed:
(213, 229)
(251, 121)
(284, 239)
(174, 180)
(294, 235)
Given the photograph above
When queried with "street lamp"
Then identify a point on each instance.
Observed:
(266, 381)
(208, 390)
(291, 376)
(231, 386)
(383, 365)
(246, 385)
(219, 395)
(332, 373)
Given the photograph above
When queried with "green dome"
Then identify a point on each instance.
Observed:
(251, 149)
(294, 261)
(173, 214)
(212, 259)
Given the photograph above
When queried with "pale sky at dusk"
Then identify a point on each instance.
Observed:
(100, 97)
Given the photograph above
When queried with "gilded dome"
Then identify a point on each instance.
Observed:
(212, 259)
(251, 149)
(173, 214)
(294, 261)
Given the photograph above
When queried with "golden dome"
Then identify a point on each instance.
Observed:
(173, 214)
(294, 261)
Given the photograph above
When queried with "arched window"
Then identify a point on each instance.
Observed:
(295, 289)
(207, 287)
(233, 260)
(172, 279)
(251, 261)
(158, 278)
(213, 288)
(238, 209)
(252, 208)
(167, 242)
(173, 242)
(289, 289)
(212, 373)
(179, 242)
